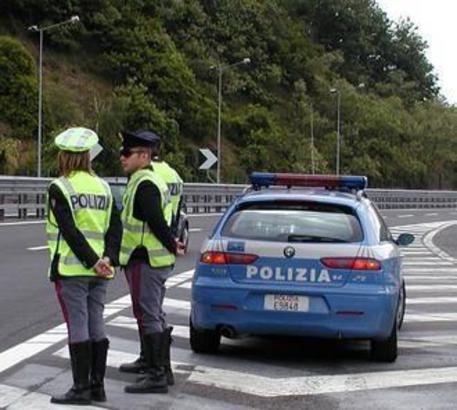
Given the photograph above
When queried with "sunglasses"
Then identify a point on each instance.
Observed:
(127, 152)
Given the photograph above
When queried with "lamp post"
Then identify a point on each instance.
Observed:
(338, 136)
(41, 30)
(220, 69)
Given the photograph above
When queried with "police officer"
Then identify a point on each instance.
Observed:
(172, 214)
(148, 252)
(84, 234)
(172, 179)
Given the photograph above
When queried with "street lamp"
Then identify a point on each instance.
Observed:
(338, 136)
(41, 30)
(220, 69)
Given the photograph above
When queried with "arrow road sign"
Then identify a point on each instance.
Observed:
(211, 159)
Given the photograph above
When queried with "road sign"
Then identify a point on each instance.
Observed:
(95, 151)
(211, 159)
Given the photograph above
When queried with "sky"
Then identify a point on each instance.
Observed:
(437, 23)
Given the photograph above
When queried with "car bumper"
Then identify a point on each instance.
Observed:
(354, 312)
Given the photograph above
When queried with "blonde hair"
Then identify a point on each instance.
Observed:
(73, 161)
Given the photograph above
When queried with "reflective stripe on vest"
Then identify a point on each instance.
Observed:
(136, 233)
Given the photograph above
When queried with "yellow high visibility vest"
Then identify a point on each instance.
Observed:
(136, 233)
(174, 182)
(90, 201)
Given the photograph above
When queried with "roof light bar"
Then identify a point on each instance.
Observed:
(265, 179)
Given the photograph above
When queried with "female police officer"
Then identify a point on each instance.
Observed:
(84, 232)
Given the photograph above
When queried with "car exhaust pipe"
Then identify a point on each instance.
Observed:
(228, 331)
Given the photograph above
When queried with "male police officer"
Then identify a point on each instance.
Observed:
(148, 252)
(84, 234)
(172, 214)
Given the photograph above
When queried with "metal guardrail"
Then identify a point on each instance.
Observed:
(25, 197)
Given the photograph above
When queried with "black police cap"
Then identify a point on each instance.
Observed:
(141, 138)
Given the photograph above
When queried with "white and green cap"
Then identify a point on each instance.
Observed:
(76, 139)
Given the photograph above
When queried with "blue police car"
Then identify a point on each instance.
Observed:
(312, 259)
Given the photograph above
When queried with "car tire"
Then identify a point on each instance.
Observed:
(385, 350)
(401, 306)
(204, 341)
(185, 237)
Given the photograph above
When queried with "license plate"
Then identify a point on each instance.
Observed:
(286, 303)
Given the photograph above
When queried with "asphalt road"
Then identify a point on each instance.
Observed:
(250, 373)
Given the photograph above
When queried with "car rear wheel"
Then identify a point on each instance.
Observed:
(385, 350)
(204, 341)
(185, 237)
(401, 306)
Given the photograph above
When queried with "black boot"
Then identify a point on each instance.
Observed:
(155, 380)
(139, 365)
(166, 344)
(80, 355)
(97, 374)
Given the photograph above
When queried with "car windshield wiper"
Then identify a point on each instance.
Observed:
(313, 238)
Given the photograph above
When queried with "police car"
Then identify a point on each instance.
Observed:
(312, 259)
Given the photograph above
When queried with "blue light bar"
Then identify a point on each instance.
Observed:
(345, 182)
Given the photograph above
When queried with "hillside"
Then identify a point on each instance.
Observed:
(147, 64)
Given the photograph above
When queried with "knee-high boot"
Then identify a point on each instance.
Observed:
(139, 365)
(155, 380)
(97, 374)
(166, 344)
(80, 355)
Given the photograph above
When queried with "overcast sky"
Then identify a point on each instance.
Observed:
(437, 22)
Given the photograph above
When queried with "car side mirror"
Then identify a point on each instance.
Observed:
(404, 239)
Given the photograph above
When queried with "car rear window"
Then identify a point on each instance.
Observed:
(295, 222)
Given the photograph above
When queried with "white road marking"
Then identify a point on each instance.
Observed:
(38, 248)
(405, 216)
(429, 278)
(311, 385)
(430, 317)
(195, 229)
(435, 300)
(130, 323)
(432, 288)
(21, 223)
(425, 262)
(432, 214)
(37, 344)
(264, 386)
(185, 285)
(9, 394)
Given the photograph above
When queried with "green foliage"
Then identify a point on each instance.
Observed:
(157, 56)
(17, 88)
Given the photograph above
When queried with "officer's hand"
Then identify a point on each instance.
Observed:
(103, 269)
(180, 248)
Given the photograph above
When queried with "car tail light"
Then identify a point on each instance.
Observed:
(352, 263)
(227, 258)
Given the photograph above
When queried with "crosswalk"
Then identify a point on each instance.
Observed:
(430, 328)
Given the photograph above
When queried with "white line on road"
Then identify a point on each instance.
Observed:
(432, 288)
(37, 344)
(432, 214)
(405, 216)
(195, 229)
(430, 317)
(436, 300)
(10, 394)
(37, 248)
(21, 223)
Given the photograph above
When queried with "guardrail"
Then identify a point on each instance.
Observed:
(25, 197)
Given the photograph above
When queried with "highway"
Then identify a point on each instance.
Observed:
(248, 373)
